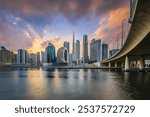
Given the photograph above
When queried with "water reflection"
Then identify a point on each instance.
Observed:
(73, 84)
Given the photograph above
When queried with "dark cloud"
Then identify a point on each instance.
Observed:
(45, 10)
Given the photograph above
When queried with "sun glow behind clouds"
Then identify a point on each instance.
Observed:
(27, 25)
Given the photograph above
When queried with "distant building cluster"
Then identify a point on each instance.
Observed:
(63, 57)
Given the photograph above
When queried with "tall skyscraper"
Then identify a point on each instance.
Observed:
(73, 44)
(43, 56)
(85, 49)
(22, 56)
(95, 50)
(66, 44)
(78, 50)
(104, 51)
(38, 58)
(50, 53)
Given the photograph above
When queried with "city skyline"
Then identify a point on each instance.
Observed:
(22, 22)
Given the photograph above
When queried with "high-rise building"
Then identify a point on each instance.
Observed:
(50, 53)
(33, 59)
(66, 44)
(73, 44)
(43, 56)
(62, 55)
(38, 58)
(22, 57)
(85, 49)
(113, 52)
(95, 50)
(77, 50)
(104, 51)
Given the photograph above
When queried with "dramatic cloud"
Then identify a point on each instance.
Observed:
(110, 25)
(23, 22)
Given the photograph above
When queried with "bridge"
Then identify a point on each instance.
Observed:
(136, 48)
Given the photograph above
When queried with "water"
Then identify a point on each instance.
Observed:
(91, 84)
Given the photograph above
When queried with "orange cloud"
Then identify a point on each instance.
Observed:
(110, 25)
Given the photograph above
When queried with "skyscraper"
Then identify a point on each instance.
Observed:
(50, 53)
(22, 57)
(66, 44)
(85, 49)
(73, 44)
(95, 50)
(78, 50)
(62, 55)
(104, 51)
(43, 56)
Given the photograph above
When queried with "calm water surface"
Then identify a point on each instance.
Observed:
(73, 84)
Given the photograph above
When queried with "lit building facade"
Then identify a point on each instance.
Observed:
(50, 53)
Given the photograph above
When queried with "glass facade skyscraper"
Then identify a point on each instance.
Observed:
(50, 53)
(85, 49)
(95, 50)
(104, 51)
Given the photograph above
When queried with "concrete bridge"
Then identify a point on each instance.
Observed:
(136, 48)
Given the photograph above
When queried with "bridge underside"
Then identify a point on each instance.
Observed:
(137, 44)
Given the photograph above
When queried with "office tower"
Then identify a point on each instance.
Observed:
(113, 52)
(50, 53)
(73, 44)
(22, 57)
(66, 44)
(104, 51)
(6, 56)
(33, 59)
(95, 50)
(62, 55)
(38, 58)
(77, 50)
(43, 55)
(85, 49)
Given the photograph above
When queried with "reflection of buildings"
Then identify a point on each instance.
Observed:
(50, 54)
(104, 51)
(95, 50)
(62, 55)
(113, 52)
(85, 49)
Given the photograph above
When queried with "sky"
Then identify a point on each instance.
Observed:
(31, 24)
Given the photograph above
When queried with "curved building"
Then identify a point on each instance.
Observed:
(62, 55)
(50, 53)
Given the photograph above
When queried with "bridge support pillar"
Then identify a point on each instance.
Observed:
(116, 64)
(127, 63)
(109, 64)
(142, 63)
